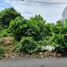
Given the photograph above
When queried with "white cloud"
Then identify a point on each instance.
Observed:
(54, 1)
(51, 12)
(49, 1)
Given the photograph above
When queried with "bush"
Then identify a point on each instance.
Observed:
(4, 33)
(27, 45)
(64, 29)
(2, 51)
(35, 34)
(7, 15)
(32, 27)
(16, 27)
(36, 29)
(61, 40)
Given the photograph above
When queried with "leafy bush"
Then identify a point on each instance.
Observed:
(4, 33)
(33, 34)
(61, 40)
(64, 29)
(32, 27)
(27, 45)
(2, 51)
(7, 15)
(36, 29)
(58, 28)
(16, 27)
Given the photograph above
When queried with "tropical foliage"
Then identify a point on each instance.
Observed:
(7, 15)
(32, 35)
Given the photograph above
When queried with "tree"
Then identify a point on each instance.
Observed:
(7, 15)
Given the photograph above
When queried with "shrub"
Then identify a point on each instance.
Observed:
(27, 45)
(36, 29)
(4, 33)
(64, 29)
(7, 15)
(58, 28)
(61, 40)
(16, 27)
(32, 27)
(47, 44)
(2, 51)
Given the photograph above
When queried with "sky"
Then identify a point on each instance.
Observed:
(50, 12)
(3, 5)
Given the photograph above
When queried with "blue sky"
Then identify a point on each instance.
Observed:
(3, 5)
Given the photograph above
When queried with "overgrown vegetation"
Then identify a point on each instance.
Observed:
(7, 15)
(31, 36)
